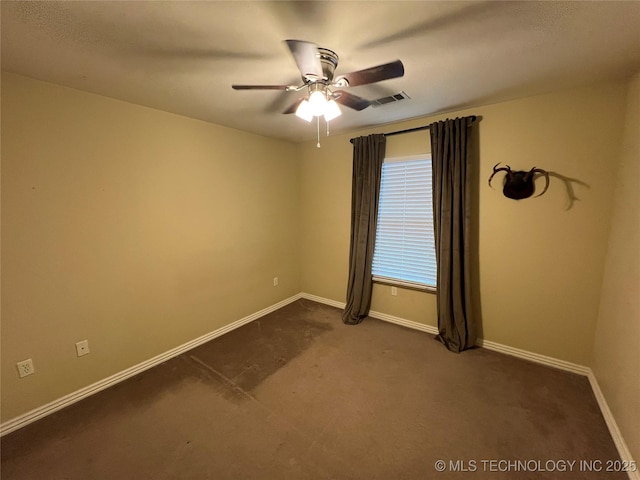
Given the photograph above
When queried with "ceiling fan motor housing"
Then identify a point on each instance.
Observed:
(329, 62)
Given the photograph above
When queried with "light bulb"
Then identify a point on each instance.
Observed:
(318, 103)
(304, 111)
(332, 110)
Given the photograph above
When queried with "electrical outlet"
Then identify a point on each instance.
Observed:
(82, 348)
(394, 291)
(275, 281)
(25, 368)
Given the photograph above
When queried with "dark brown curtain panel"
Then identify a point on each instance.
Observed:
(368, 155)
(450, 152)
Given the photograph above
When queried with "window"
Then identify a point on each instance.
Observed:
(405, 247)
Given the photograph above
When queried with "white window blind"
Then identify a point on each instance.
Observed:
(405, 246)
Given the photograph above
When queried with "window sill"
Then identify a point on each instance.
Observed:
(400, 283)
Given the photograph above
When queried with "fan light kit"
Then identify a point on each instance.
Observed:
(317, 66)
(320, 104)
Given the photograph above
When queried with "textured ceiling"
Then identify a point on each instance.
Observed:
(183, 56)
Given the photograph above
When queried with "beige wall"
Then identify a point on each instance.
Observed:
(540, 259)
(616, 362)
(136, 229)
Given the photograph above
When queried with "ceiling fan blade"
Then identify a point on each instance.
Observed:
(294, 106)
(307, 58)
(261, 87)
(373, 74)
(351, 101)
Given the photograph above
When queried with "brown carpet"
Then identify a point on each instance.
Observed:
(298, 395)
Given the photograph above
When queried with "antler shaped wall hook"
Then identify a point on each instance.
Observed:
(519, 184)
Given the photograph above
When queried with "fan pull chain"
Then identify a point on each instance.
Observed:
(318, 119)
(327, 128)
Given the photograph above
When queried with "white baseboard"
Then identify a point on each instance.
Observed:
(326, 301)
(404, 322)
(623, 450)
(40, 412)
(373, 314)
(534, 357)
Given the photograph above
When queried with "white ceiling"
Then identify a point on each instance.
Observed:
(182, 56)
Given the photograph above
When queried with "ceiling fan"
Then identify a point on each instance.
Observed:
(317, 66)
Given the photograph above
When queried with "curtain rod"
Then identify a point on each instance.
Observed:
(409, 130)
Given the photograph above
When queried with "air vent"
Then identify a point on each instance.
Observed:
(390, 99)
